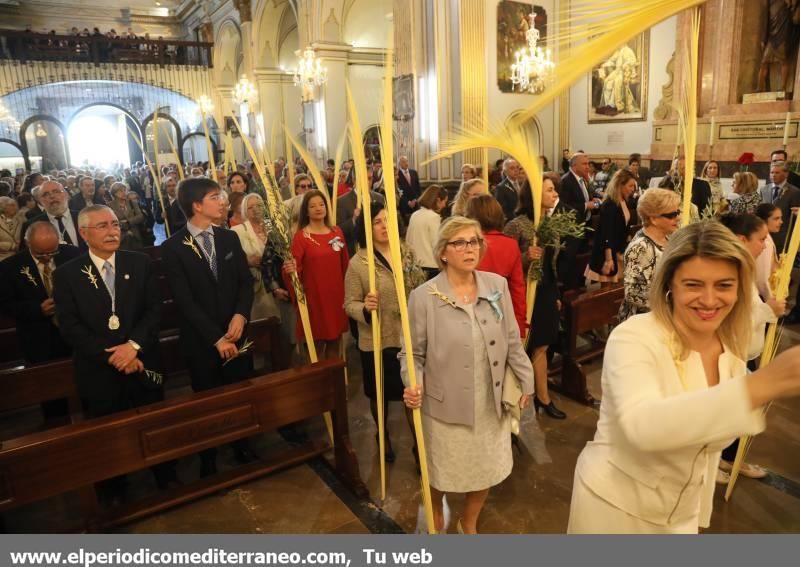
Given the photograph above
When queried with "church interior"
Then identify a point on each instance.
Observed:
(321, 95)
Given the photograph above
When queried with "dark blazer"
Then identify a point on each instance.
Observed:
(83, 310)
(345, 205)
(39, 339)
(566, 265)
(410, 192)
(508, 198)
(175, 217)
(207, 305)
(701, 194)
(570, 194)
(34, 212)
(43, 217)
(612, 233)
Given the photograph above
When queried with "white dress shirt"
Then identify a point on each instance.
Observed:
(69, 226)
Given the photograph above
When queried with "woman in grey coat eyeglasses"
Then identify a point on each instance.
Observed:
(463, 335)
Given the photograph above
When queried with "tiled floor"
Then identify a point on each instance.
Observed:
(534, 499)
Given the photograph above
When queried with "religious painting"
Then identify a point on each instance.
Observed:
(403, 97)
(514, 20)
(618, 85)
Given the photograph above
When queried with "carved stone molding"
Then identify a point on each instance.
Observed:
(245, 13)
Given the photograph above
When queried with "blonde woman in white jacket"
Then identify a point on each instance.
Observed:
(676, 392)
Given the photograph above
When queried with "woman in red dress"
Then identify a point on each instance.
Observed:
(321, 261)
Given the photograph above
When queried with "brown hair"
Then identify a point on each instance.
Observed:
(432, 194)
(487, 211)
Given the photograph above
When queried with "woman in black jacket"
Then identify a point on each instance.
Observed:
(612, 235)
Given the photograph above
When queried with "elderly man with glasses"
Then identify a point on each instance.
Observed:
(54, 198)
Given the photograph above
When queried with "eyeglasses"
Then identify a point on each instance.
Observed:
(461, 245)
(670, 216)
(304, 186)
(104, 225)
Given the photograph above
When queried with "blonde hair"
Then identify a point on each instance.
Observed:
(460, 201)
(711, 240)
(704, 173)
(655, 202)
(448, 229)
(746, 181)
(618, 181)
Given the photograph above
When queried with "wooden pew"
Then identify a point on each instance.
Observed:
(585, 312)
(53, 462)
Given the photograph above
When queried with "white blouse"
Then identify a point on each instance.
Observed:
(423, 227)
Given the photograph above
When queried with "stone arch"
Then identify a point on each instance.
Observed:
(266, 31)
(19, 149)
(364, 22)
(57, 158)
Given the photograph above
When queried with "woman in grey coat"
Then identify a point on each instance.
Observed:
(463, 335)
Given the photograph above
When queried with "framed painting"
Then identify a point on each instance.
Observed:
(513, 22)
(618, 85)
(403, 97)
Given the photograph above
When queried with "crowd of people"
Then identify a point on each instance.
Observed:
(676, 391)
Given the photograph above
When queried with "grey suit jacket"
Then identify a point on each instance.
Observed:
(345, 205)
(441, 336)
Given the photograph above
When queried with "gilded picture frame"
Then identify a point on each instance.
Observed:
(618, 86)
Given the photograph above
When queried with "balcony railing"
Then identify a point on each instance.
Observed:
(26, 46)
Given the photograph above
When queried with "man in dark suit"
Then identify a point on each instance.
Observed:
(54, 198)
(213, 290)
(507, 191)
(347, 211)
(175, 216)
(109, 307)
(781, 193)
(87, 196)
(574, 190)
(410, 189)
(782, 156)
(26, 292)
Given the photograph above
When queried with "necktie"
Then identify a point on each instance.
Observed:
(408, 176)
(585, 198)
(776, 192)
(47, 278)
(108, 277)
(211, 256)
(62, 230)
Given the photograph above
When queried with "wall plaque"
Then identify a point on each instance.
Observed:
(755, 130)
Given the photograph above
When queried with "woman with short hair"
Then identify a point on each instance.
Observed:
(463, 336)
(676, 392)
(660, 213)
(10, 227)
(745, 184)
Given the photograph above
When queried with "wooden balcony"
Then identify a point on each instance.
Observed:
(24, 46)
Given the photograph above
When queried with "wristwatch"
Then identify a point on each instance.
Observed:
(135, 345)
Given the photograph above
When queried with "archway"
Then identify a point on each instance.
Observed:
(11, 156)
(195, 148)
(43, 141)
(100, 135)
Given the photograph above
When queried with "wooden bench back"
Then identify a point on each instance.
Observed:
(63, 459)
(591, 310)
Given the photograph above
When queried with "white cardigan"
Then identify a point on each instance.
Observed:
(421, 236)
(659, 437)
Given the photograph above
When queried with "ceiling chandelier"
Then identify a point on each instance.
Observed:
(309, 73)
(244, 91)
(40, 131)
(533, 65)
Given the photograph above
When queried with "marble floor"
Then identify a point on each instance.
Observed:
(534, 499)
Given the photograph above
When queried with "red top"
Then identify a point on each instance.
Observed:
(504, 259)
(322, 263)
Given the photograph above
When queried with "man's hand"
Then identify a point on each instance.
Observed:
(227, 349)
(48, 307)
(235, 328)
(122, 355)
(134, 367)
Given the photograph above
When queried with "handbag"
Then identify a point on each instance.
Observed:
(512, 393)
